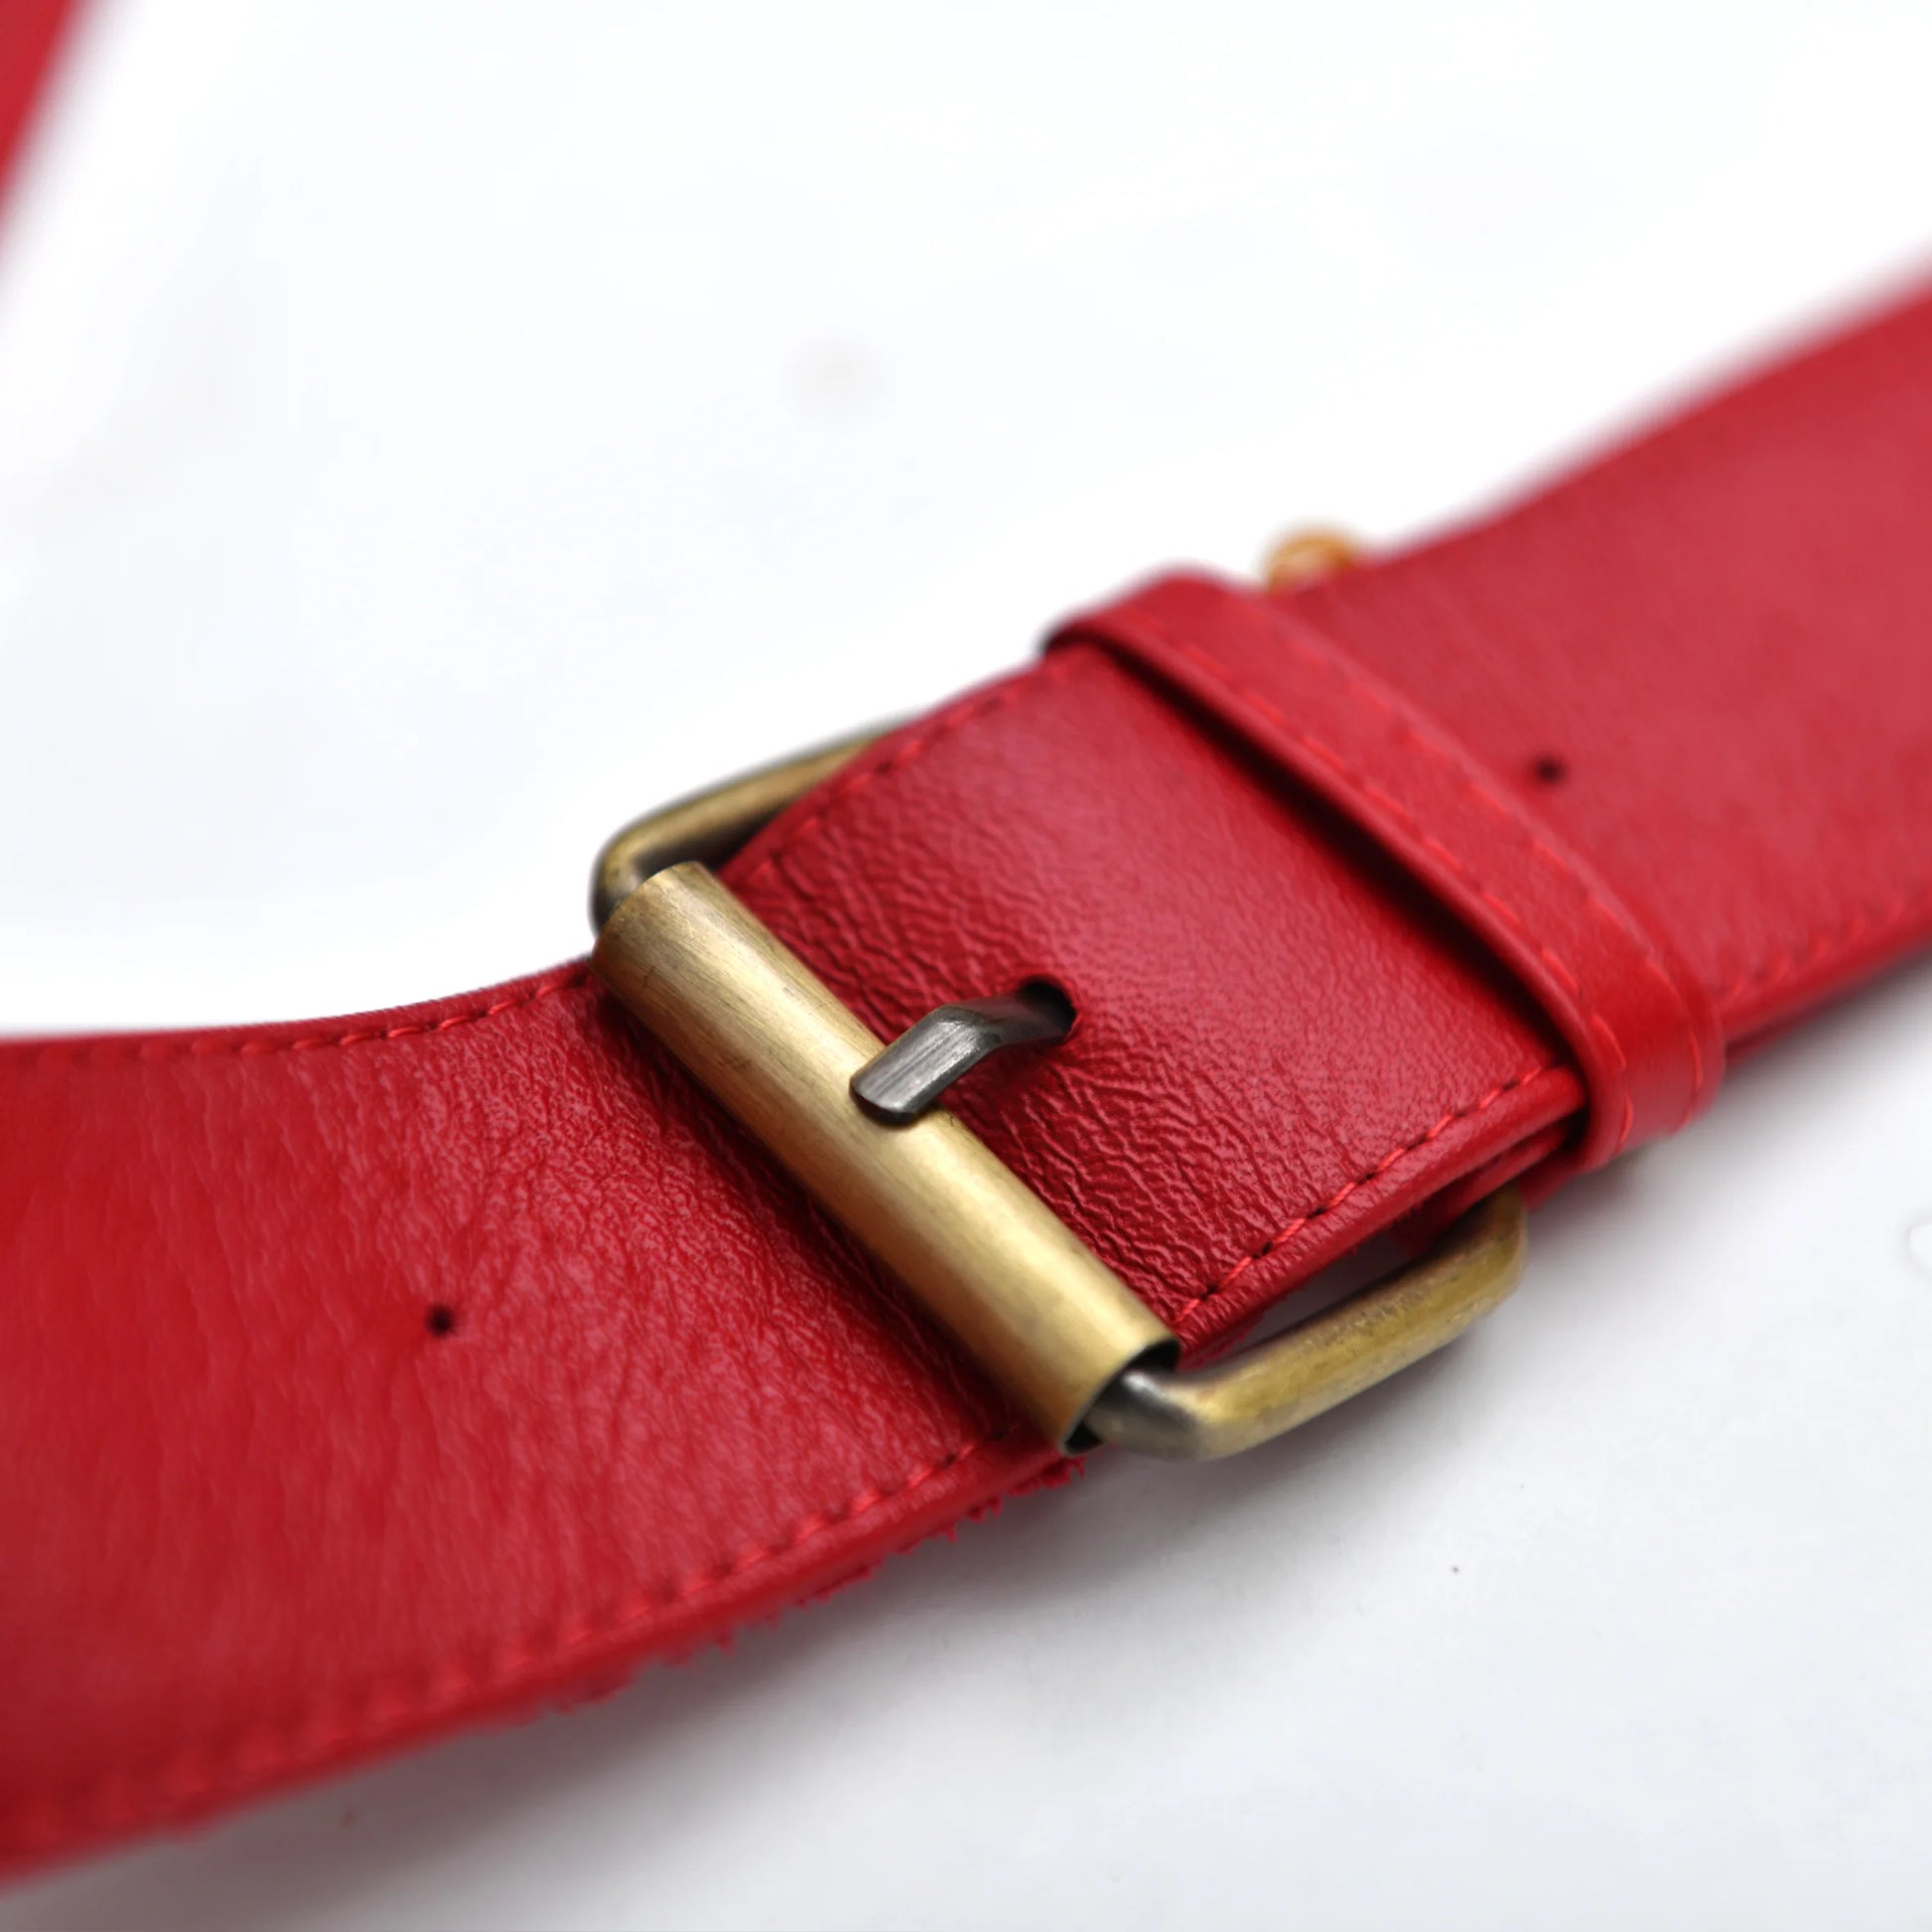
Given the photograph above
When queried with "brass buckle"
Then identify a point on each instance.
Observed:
(1059, 1330)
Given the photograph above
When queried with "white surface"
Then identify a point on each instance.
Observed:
(429, 435)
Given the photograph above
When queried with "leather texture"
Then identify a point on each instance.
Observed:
(368, 1378)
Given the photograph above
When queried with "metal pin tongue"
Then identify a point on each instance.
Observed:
(899, 1083)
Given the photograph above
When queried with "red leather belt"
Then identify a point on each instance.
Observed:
(371, 1377)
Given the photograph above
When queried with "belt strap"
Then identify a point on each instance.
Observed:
(371, 1377)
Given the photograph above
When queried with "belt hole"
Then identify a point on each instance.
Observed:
(1054, 995)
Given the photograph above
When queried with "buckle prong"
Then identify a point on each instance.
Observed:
(905, 1080)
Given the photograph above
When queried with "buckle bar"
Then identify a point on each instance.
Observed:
(1085, 1357)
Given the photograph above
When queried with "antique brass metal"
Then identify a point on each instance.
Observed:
(1195, 1414)
(710, 825)
(983, 1254)
(1304, 556)
(976, 1245)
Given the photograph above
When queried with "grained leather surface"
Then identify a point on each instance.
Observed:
(369, 1377)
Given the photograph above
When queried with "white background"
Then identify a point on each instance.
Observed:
(430, 434)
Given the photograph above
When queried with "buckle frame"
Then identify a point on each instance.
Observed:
(1081, 1354)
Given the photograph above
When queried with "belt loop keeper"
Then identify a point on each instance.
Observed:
(1643, 1029)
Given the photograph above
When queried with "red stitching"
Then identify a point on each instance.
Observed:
(850, 784)
(1872, 922)
(1352, 1187)
(189, 1773)
(166, 1047)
